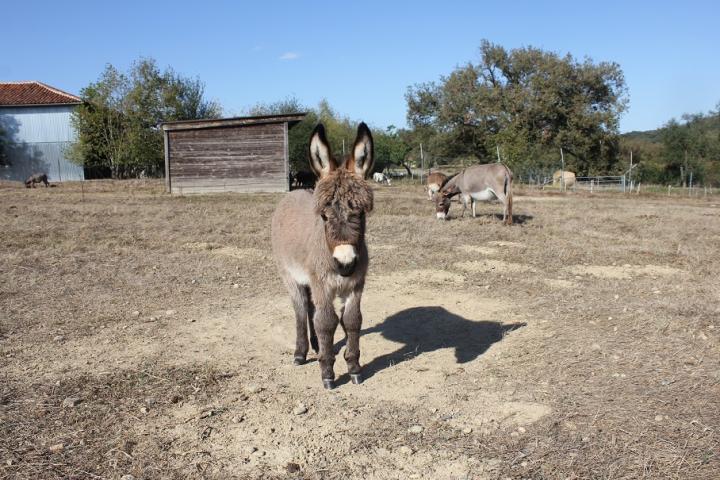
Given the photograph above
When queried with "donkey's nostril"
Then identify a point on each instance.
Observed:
(345, 269)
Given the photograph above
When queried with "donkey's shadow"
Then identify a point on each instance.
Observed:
(427, 329)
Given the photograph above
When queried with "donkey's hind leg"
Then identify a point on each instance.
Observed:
(300, 297)
(311, 325)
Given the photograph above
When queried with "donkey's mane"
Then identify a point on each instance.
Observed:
(342, 186)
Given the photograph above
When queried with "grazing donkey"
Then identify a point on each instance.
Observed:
(318, 240)
(37, 178)
(435, 181)
(478, 182)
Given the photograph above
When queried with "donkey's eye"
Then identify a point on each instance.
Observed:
(324, 217)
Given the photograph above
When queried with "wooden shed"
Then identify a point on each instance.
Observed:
(243, 154)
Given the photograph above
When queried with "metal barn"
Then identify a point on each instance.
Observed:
(36, 129)
(244, 154)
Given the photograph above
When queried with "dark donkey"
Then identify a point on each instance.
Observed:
(37, 178)
(318, 241)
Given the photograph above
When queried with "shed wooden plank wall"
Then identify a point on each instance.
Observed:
(248, 158)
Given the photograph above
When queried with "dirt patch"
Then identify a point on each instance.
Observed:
(410, 278)
(495, 266)
(624, 272)
(383, 248)
(502, 243)
(228, 251)
(479, 250)
(559, 283)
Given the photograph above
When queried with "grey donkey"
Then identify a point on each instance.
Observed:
(318, 241)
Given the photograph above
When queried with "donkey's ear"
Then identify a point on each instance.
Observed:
(321, 160)
(362, 157)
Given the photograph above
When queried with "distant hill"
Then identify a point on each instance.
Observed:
(709, 124)
(650, 136)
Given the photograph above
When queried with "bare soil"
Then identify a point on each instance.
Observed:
(149, 335)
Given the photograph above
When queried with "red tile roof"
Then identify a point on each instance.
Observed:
(33, 93)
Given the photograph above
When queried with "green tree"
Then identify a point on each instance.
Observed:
(527, 101)
(390, 147)
(118, 122)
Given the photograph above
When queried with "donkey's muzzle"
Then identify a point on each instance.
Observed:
(345, 259)
(345, 269)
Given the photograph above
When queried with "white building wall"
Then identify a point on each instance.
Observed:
(39, 137)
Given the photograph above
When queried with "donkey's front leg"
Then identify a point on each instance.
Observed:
(352, 321)
(326, 322)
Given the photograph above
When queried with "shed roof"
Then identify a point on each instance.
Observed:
(233, 122)
(34, 93)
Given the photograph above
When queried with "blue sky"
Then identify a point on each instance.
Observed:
(362, 56)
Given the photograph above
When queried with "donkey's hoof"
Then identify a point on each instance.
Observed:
(356, 378)
(328, 383)
(299, 361)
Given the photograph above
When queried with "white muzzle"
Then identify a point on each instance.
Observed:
(441, 215)
(344, 254)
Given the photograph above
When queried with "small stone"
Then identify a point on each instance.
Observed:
(57, 448)
(193, 281)
(258, 453)
(136, 313)
(595, 346)
(236, 285)
(433, 410)
(658, 418)
(292, 467)
(144, 410)
(152, 319)
(254, 389)
(58, 338)
(70, 402)
(405, 450)
(127, 477)
(521, 430)
(237, 419)
(514, 434)
(487, 287)
(415, 429)
(300, 409)
(523, 464)
(609, 318)
(616, 296)
(467, 430)
(170, 312)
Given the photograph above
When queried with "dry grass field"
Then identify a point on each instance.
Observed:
(149, 335)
